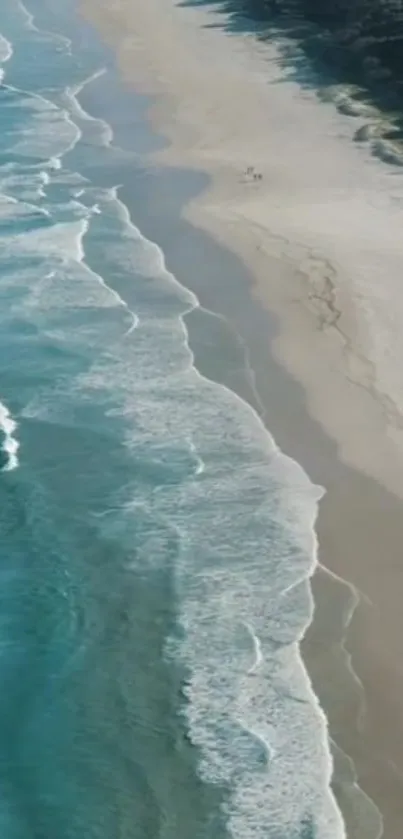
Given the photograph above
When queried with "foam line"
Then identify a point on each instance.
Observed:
(10, 444)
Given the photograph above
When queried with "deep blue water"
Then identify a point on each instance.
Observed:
(155, 546)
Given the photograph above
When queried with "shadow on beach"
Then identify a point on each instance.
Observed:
(356, 44)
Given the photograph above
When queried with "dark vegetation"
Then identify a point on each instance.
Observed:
(359, 42)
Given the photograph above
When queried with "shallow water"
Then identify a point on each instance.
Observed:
(156, 545)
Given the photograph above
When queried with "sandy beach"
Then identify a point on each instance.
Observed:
(316, 221)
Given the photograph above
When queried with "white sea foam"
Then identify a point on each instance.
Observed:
(247, 548)
(257, 649)
(48, 131)
(103, 133)
(243, 518)
(67, 281)
(13, 210)
(10, 444)
(55, 163)
(44, 180)
(28, 188)
(149, 258)
(6, 49)
(29, 21)
(6, 52)
(199, 463)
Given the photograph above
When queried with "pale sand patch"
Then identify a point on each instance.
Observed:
(324, 207)
(321, 233)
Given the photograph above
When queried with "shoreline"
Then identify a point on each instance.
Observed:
(318, 454)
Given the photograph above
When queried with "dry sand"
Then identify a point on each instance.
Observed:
(321, 232)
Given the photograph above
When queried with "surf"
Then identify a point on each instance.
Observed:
(10, 444)
(201, 493)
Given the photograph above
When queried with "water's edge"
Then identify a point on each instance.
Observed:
(250, 361)
(239, 315)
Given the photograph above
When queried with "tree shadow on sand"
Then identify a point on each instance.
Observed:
(323, 43)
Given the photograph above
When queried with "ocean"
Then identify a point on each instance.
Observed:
(156, 545)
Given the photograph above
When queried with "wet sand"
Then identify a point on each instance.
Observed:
(307, 345)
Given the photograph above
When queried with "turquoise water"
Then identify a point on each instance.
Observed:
(156, 546)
